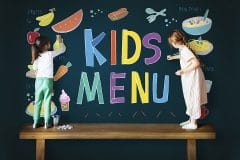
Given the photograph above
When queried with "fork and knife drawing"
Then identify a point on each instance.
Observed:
(154, 14)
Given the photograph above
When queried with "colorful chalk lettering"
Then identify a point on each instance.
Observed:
(90, 93)
(138, 87)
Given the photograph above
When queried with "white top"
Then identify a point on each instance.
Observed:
(44, 63)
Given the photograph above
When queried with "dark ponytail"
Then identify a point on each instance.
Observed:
(39, 46)
(35, 52)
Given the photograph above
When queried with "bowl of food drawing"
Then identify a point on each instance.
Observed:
(200, 47)
(30, 109)
(197, 25)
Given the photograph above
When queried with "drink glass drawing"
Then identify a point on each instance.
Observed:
(56, 119)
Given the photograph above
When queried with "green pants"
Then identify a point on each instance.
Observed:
(43, 94)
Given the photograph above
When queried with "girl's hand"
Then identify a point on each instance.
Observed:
(173, 57)
(169, 58)
(59, 38)
(179, 72)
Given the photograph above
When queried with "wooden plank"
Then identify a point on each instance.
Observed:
(191, 149)
(119, 131)
(40, 149)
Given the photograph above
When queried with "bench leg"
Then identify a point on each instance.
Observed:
(40, 149)
(191, 149)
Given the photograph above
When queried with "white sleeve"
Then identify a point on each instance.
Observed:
(188, 55)
(61, 50)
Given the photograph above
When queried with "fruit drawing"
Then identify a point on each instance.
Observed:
(32, 35)
(70, 23)
(30, 67)
(30, 73)
(46, 19)
(62, 70)
(56, 44)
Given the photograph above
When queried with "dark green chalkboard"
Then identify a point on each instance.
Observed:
(95, 17)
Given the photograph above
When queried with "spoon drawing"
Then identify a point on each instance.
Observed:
(153, 14)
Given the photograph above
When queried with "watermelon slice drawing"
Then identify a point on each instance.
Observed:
(70, 23)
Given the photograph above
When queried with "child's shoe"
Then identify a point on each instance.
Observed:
(184, 123)
(35, 125)
(190, 126)
(46, 125)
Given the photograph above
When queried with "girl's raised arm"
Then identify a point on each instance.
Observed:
(62, 49)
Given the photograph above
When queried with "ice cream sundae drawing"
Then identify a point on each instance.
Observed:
(64, 100)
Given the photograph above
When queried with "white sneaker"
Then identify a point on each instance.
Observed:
(35, 125)
(46, 125)
(190, 126)
(184, 123)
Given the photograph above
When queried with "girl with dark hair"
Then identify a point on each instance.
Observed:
(42, 60)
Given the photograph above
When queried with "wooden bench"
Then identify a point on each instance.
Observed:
(111, 131)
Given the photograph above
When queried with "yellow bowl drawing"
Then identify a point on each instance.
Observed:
(200, 47)
(30, 109)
